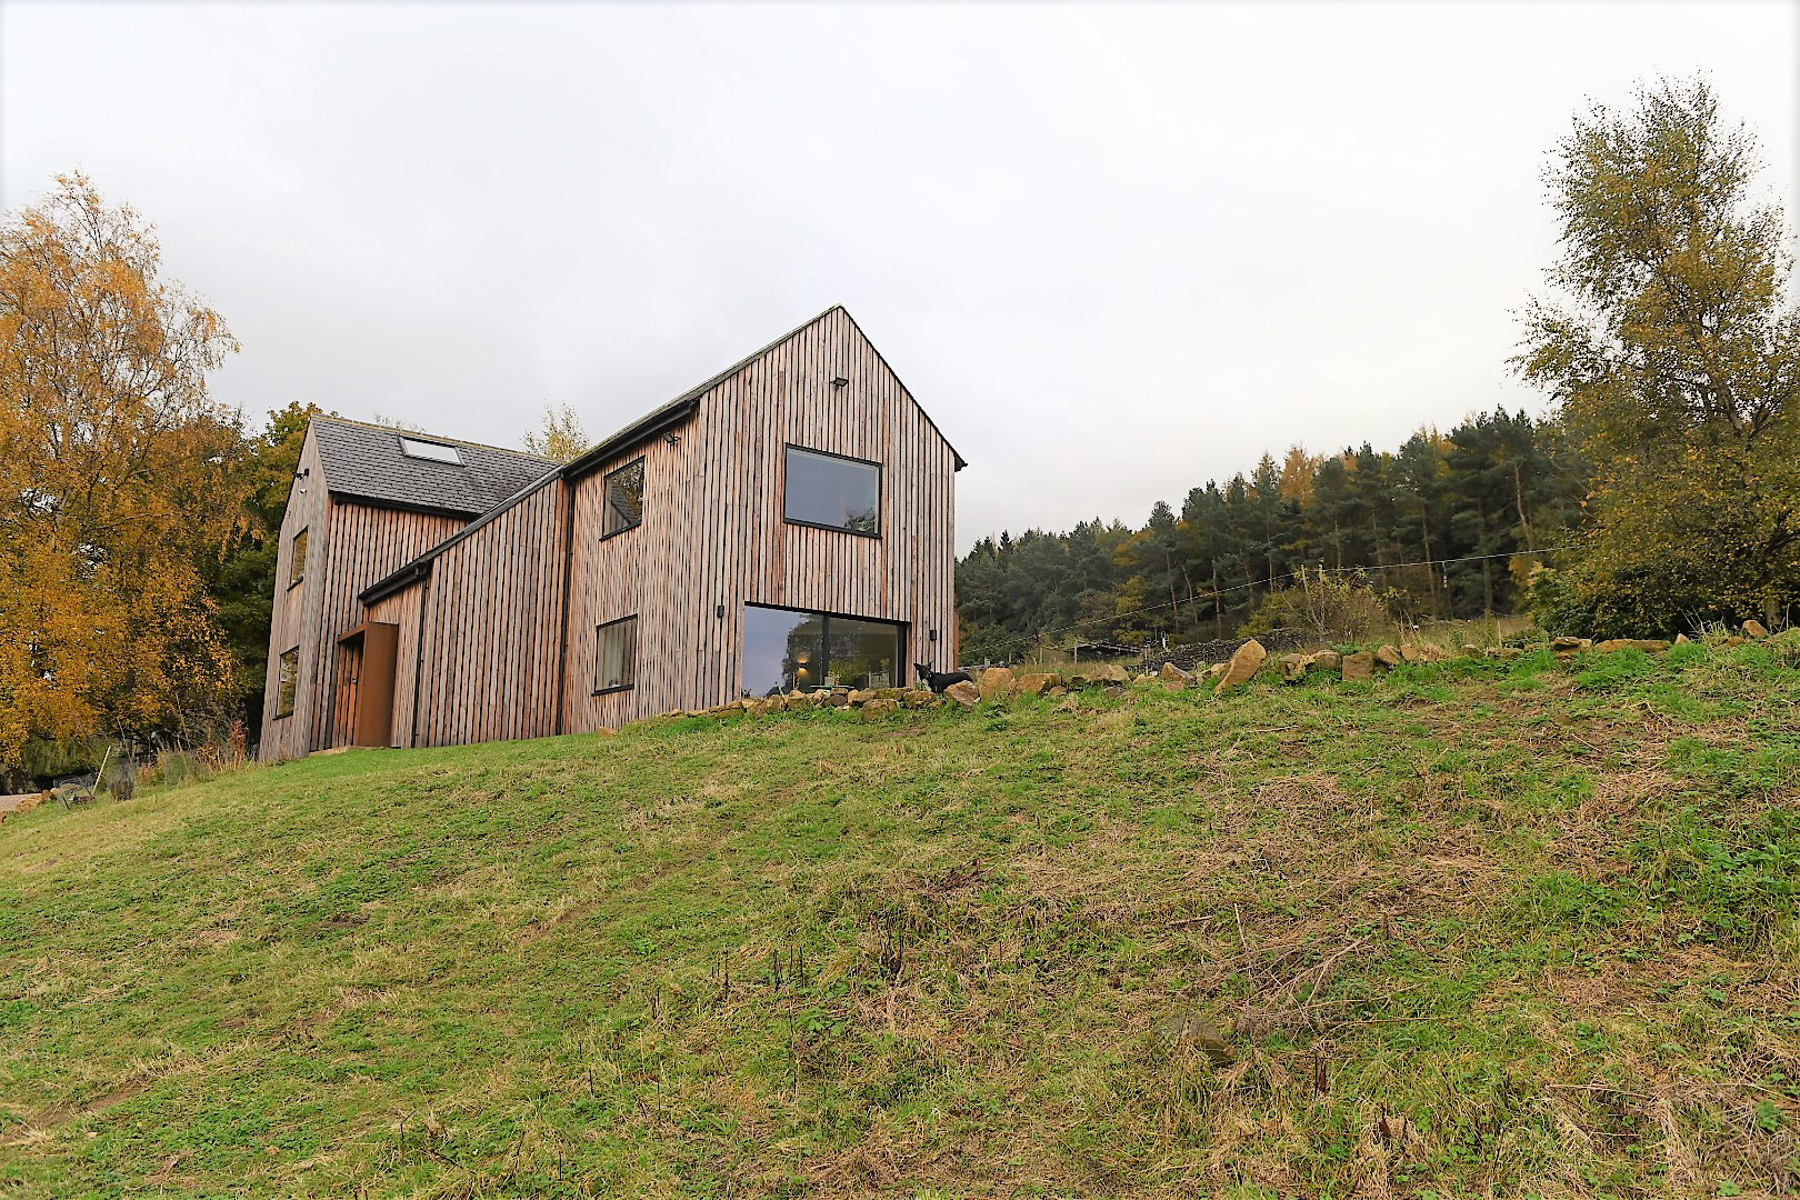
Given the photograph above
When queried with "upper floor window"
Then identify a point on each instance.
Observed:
(624, 499)
(833, 492)
(297, 559)
(615, 655)
(434, 451)
(287, 682)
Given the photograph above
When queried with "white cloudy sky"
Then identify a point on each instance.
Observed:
(1114, 250)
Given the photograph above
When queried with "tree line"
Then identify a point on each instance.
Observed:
(1446, 525)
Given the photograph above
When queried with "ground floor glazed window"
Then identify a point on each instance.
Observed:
(786, 650)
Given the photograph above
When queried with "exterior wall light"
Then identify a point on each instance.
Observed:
(838, 381)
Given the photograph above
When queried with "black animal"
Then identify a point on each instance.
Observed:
(937, 681)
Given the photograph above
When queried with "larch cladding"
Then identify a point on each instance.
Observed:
(714, 534)
(485, 645)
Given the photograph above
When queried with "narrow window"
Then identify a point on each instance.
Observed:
(430, 451)
(287, 682)
(615, 655)
(624, 499)
(833, 492)
(297, 563)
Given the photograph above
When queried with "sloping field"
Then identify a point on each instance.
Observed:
(1477, 929)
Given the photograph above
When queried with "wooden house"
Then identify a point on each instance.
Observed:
(787, 524)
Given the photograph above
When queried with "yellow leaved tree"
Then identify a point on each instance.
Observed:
(1674, 352)
(115, 479)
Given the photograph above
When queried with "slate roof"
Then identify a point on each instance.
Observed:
(366, 462)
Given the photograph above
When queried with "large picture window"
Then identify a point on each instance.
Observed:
(615, 656)
(833, 492)
(624, 499)
(786, 651)
(297, 559)
(287, 682)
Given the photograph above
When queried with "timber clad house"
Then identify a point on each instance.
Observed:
(788, 524)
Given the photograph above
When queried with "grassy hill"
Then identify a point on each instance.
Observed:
(1477, 929)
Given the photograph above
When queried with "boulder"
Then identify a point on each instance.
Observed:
(1173, 677)
(1293, 666)
(1681, 639)
(964, 693)
(1216, 670)
(1057, 690)
(1412, 652)
(1359, 668)
(1103, 673)
(1571, 645)
(861, 696)
(1389, 656)
(877, 708)
(1329, 660)
(1036, 683)
(997, 683)
(918, 698)
(1647, 645)
(1755, 629)
(1242, 666)
(838, 698)
(1431, 652)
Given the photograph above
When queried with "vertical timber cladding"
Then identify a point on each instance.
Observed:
(905, 575)
(488, 625)
(714, 532)
(648, 572)
(363, 543)
(294, 621)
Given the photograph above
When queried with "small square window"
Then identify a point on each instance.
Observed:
(297, 560)
(615, 655)
(624, 499)
(432, 451)
(287, 682)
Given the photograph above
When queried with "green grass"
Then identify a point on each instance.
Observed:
(1484, 929)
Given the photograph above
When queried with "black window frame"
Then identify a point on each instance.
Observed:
(606, 507)
(599, 632)
(293, 701)
(296, 578)
(880, 491)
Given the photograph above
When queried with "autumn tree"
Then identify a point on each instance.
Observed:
(1674, 353)
(559, 437)
(118, 478)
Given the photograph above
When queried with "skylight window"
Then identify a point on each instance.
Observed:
(434, 451)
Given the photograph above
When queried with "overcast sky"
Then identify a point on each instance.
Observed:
(1113, 250)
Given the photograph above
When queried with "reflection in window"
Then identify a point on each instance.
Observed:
(297, 560)
(787, 651)
(624, 499)
(838, 493)
(615, 655)
(287, 683)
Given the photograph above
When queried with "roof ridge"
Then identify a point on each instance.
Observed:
(436, 437)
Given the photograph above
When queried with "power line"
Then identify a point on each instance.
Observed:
(1270, 582)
